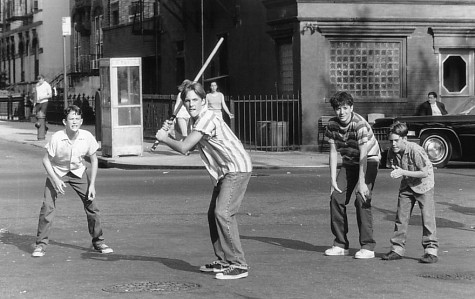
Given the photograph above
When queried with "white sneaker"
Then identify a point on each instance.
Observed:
(103, 248)
(38, 252)
(364, 254)
(335, 250)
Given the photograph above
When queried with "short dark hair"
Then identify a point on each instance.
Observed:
(72, 108)
(193, 86)
(341, 98)
(398, 128)
(432, 93)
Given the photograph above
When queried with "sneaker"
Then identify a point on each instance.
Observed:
(216, 267)
(391, 256)
(232, 272)
(335, 250)
(364, 254)
(428, 259)
(38, 252)
(103, 248)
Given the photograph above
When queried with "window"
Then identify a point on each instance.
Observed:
(77, 50)
(286, 68)
(98, 41)
(367, 68)
(455, 74)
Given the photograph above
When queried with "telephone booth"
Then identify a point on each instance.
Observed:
(121, 106)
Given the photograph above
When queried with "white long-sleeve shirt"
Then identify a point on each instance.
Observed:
(43, 92)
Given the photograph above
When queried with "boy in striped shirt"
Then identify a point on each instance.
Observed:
(351, 135)
(229, 166)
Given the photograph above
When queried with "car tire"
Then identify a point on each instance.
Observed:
(438, 148)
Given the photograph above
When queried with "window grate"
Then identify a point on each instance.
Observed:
(366, 68)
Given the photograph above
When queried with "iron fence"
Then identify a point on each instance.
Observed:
(12, 108)
(267, 123)
(156, 109)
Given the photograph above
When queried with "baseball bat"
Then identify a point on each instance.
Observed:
(203, 68)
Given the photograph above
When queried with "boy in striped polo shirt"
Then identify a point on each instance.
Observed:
(351, 135)
(229, 166)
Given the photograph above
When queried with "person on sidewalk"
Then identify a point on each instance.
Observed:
(216, 102)
(43, 93)
(229, 166)
(410, 162)
(351, 135)
(63, 162)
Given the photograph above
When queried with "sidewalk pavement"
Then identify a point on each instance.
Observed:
(163, 157)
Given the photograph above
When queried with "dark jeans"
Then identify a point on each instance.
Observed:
(47, 212)
(347, 179)
(40, 109)
(223, 227)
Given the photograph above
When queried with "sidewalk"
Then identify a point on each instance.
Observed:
(163, 157)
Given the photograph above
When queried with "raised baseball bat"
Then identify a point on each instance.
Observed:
(203, 68)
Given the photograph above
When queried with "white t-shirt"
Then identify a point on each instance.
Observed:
(435, 109)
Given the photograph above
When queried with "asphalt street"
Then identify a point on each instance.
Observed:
(156, 222)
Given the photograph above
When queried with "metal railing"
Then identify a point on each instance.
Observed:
(267, 123)
(156, 109)
(12, 108)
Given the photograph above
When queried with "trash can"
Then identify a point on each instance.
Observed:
(280, 134)
(262, 134)
(272, 135)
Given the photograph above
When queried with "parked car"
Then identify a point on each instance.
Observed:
(445, 138)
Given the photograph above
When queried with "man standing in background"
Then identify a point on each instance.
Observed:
(43, 93)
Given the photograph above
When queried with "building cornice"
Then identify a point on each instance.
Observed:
(277, 3)
(468, 21)
(453, 37)
(367, 30)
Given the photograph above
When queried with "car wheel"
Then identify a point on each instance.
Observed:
(438, 148)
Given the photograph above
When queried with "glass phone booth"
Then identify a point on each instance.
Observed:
(121, 106)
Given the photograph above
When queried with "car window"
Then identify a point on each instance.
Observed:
(466, 107)
(468, 111)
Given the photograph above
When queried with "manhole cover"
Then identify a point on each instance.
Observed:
(450, 276)
(152, 286)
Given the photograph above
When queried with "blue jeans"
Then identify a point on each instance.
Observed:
(223, 227)
(347, 179)
(406, 201)
(47, 212)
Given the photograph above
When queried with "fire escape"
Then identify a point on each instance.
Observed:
(145, 17)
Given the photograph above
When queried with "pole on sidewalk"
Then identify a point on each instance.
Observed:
(66, 26)
(65, 78)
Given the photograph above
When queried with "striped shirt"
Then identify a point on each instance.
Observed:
(220, 150)
(348, 138)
